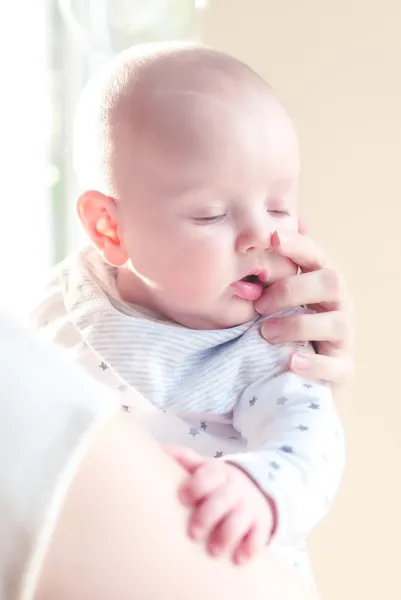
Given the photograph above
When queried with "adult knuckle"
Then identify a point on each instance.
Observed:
(334, 281)
(343, 324)
(347, 371)
(299, 326)
(340, 325)
(320, 257)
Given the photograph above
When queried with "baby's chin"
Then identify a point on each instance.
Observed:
(241, 312)
(236, 313)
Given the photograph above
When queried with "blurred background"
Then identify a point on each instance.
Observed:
(337, 67)
(49, 49)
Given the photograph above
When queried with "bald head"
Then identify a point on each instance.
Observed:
(173, 98)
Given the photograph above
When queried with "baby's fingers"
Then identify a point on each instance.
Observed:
(211, 511)
(207, 479)
(228, 534)
(186, 457)
(334, 369)
(251, 544)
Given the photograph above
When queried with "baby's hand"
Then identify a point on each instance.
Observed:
(230, 513)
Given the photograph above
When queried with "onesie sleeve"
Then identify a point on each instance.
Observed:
(295, 448)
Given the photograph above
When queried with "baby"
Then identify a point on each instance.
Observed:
(189, 168)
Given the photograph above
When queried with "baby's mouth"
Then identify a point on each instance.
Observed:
(249, 287)
(251, 279)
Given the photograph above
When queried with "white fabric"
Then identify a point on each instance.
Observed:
(226, 393)
(49, 413)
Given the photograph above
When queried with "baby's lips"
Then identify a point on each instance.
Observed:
(263, 276)
(247, 290)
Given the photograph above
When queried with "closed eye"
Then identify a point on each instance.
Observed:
(209, 220)
(279, 213)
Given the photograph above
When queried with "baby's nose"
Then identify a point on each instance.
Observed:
(254, 238)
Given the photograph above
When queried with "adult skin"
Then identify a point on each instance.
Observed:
(88, 501)
(321, 287)
(122, 535)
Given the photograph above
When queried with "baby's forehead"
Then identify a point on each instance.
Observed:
(201, 133)
(189, 93)
(204, 145)
(193, 114)
(191, 107)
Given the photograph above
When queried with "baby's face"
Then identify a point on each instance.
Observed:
(197, 210)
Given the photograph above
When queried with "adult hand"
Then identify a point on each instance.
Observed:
(322, 288)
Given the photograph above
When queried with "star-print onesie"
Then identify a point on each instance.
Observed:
(226, 393)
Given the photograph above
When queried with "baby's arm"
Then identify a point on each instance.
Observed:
(283, 485)
(295, 448)
(229, 512)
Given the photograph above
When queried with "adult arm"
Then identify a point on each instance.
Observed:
(88, 501)
(122, 534)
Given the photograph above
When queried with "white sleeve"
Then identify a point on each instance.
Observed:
(295, 448)
(50, 411)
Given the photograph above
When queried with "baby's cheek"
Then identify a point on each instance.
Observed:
(200, 285)
(201, 278)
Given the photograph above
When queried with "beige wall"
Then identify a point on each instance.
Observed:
(337, 65)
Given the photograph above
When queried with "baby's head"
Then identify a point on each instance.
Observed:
(189, 163)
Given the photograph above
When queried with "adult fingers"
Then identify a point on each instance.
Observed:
(334, 369)
(302, 228)
(299, 248)
(333, 327)
(325, 286)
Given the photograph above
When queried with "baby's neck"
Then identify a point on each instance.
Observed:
(133, 290)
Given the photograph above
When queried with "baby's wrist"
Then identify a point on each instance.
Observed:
(274, 515)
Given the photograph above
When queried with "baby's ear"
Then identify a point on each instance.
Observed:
(98, 215)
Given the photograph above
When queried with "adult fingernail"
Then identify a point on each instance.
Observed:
(302, 228)
(275, 239)
(279, 239)
(271, 330)
(299, 361)
(262, 306)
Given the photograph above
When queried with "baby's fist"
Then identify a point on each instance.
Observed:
(230, 512)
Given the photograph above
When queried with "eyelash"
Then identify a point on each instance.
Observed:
(218, 218)
(279, 213)
(209, 220)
